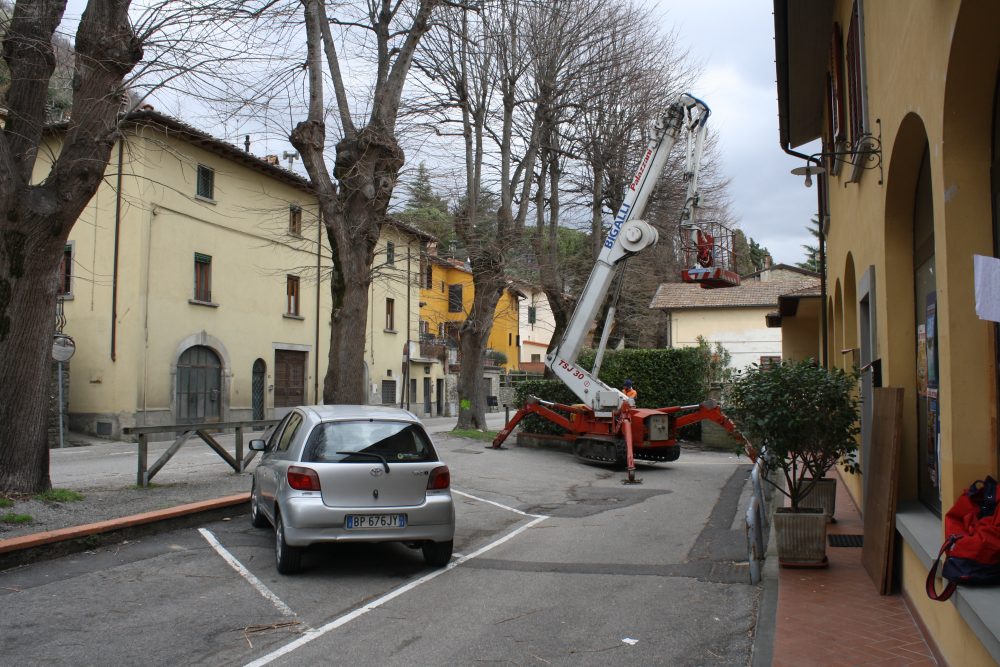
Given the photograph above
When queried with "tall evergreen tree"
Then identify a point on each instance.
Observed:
(811, 262)
(426, 210)
(750, 255)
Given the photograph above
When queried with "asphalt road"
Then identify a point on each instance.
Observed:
(557, 563)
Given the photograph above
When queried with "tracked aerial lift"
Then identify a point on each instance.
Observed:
(606, 426)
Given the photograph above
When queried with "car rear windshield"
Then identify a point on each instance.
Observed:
(399, 442)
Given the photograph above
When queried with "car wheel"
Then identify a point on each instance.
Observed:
(257, 517)
(287, 558)
(438, 554)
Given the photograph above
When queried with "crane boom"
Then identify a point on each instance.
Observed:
(628, 236)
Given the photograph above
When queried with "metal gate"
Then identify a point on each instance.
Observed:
(388, 392)
(199, 383)
(257, 388)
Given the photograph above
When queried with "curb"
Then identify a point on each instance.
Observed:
(53, 543)
(762, 654)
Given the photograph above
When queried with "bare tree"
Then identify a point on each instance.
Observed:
(475, 70)
(49, 172)
(38, 216)
(355, 197)
(599, 102)
(567, 47)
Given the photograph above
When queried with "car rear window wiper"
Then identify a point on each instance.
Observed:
(385, 464)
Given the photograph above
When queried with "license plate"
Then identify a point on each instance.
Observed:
(375, 521)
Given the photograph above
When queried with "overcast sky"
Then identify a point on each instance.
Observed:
(733, 40)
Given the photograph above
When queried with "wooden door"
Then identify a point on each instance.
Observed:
(289, 378)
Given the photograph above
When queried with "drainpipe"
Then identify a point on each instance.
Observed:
(319, 291)
(114, 271)
(821, 182)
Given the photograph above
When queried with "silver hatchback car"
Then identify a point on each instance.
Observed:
(352, 473)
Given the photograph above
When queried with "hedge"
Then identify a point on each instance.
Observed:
(662, 377)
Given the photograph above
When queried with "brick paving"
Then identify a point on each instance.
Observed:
(834, 617)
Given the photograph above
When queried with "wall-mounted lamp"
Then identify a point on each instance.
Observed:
(866, 154)
(809, 171)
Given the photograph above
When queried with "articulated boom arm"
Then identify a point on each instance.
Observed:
(629, 235)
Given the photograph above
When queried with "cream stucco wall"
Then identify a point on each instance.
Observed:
(931, 80)
(742, 331)
(162, 225)
(535, 337)
(800, 337)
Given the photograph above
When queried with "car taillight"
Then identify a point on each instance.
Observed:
(440, 479)
(303, 479)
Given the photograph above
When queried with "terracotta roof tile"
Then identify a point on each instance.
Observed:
(751, 294)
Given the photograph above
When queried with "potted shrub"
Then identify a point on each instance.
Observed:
(803, 419)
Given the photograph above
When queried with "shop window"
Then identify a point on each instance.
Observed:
(995, 188)
(926, 326)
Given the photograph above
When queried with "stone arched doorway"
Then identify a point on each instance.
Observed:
(199, 386)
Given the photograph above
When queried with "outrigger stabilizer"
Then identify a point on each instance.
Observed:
(597, 438)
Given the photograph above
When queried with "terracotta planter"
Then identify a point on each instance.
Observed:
(824, 496)
(801, 537)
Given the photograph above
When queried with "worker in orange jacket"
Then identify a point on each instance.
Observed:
(629, 391)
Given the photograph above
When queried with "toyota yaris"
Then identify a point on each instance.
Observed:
(352, 473)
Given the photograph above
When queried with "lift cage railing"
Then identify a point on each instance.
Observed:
(709, 255)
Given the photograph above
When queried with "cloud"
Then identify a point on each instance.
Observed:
(733, 40)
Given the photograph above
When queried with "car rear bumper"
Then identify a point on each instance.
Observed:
(309, 521)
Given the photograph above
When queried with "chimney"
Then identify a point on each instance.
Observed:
(272, 160)
(246, 144)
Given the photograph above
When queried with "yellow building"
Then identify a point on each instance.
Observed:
(904, 95)
(195, 286)
(446, 295)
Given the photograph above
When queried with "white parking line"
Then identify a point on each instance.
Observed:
(490, 502)
(310, 635)
(245, 573)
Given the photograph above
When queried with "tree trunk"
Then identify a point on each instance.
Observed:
(474, 334)
(367, 166)
(27, 323)
(37, 219)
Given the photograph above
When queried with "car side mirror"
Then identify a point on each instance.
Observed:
(258, 445)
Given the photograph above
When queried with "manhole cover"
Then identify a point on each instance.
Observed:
(846, 540)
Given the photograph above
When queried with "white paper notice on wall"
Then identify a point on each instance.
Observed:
(987, 276)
